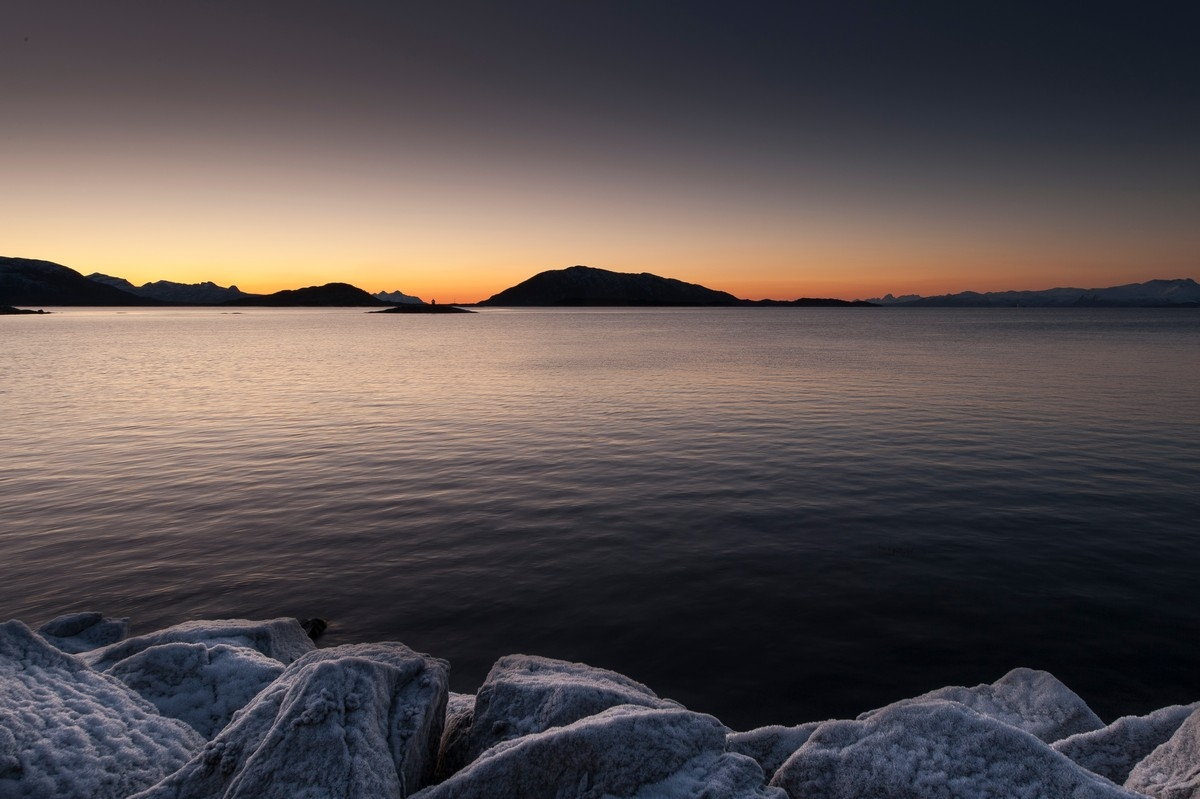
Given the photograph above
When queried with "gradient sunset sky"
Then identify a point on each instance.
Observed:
(451, 150)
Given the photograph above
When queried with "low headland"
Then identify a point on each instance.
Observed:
(238, 708)
(424, 308)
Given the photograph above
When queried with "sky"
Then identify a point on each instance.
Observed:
(453, 149)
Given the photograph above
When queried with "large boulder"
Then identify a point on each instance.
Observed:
(1034, 701)
(1114, 750)
(68, 731)
(524, 694)
(352, 721)
(770, 746)
(200, 684)
(1172, 771)
(934, 750)
(83, 632)
(628, 750)
(281, 639)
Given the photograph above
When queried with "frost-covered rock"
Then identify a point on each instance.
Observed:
(524, 694)
(628, 750)
(1172, 771)
(936, 749)
(460, 704)
(361, 720)
(1034, 701)
(68, 731)
(199, 684)
(282, 639)
(83, 632)
(770, 746)
(1113, 751)
(460, 712)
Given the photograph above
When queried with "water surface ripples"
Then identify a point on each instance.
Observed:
(774, 515)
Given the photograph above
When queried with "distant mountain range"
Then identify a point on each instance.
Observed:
(1182, 292)
(209, 293)
(26, 281)
(206, 293)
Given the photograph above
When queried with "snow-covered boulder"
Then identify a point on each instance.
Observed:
(937, 749)
(68, 731)
(770, 746)
(199, 684)
(1113, 751)
(628, 750)
(1172, 771)
(361, 720)
(83, 632)
(1034, 701)
(524, 694)
(281, 639)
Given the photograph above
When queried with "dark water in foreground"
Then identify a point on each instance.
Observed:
(772, 515)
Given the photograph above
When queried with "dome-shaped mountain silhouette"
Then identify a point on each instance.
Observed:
(585, 285)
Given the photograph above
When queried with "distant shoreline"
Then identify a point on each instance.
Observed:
(413, 308)
(26, 282)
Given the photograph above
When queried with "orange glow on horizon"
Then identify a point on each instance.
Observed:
(448, 282)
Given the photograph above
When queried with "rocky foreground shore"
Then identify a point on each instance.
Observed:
(238, 708)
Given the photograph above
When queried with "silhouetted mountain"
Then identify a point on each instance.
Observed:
(26, 281)
(398, 297)
(8, 310)
(330, 295)
(1182, 292)
(584, 285)
(890, 299)
(206, 293)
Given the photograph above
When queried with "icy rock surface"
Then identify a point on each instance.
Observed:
(524, 694)
(198, 684)
(281, 639)
(1034, 701)
(1113, 751)
(934, 750)
(627, 750)
(770, 746)
(82, 632)
(361, 720)
(68, 731)
(1172, 771)
(460, 712)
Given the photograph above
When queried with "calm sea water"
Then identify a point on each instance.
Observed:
(772, 515)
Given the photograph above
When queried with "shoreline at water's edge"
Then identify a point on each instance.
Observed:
(536, 726)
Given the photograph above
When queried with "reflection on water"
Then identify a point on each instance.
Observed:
(774, 515)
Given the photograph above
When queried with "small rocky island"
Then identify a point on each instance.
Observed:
(236, 708)
(8, 310)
